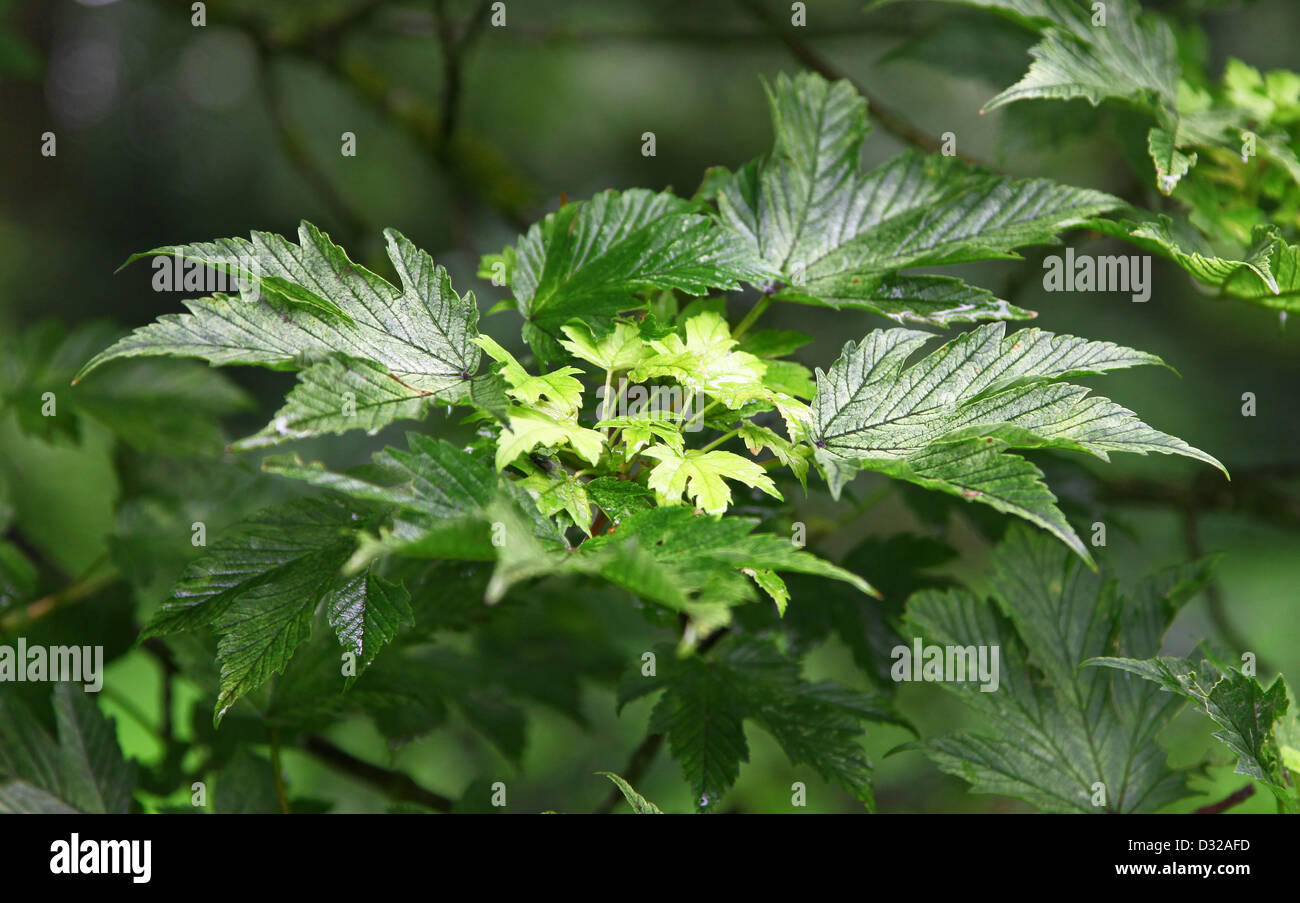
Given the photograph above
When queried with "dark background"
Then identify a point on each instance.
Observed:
(170, 133)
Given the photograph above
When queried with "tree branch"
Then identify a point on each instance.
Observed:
(295, 150)
(1213, 592)
(87, 586)
(1255, 491)
(1227, 802)
(883, 115)
(454, 45)
(637, 765)
(394, 784)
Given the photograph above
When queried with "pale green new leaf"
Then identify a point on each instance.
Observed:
(530, 429)
(619, 349)
(1170, 162)
(636, 431)
(561, 390)
(706, 361)
(561, 492)
(792, 456)
(948, 420)
(701, 474)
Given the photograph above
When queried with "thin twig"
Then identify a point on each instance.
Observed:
(295, 150)
(881, 114)
(278, 772)
(1213, 592)
(1228, 801)
(1256, 491)
(394, 784)
(637, 765)
(454, 43)
(419, 24)
(12, 623)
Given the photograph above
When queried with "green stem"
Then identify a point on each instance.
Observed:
(604, 403)
(278, 772)
(754, 313)
(42, 607)
(721, 439)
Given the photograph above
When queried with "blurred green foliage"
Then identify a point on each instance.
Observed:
(169, 132)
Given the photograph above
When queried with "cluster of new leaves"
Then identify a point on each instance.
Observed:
(1065, 737)
(634, 491)
(1225, 149)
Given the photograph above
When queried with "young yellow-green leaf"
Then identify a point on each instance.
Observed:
(559, 388)
(792, 456)
(705, 361)
(529, 429)
(1170, 162)
(636, 431)
(561, 492)
(619, 349)
(948, 420)
(701, 474)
